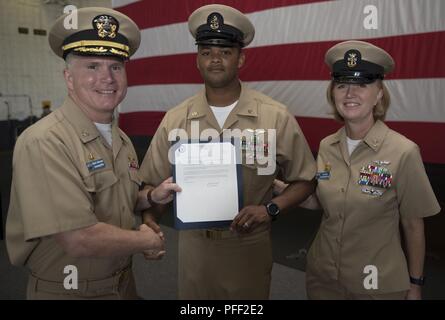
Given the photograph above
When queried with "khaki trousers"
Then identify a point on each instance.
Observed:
(118, 287)
(320, 289)
(218, 264)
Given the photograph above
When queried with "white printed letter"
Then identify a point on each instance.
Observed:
(70, 21)
(371, 280)
(70, 282)
(370, 21)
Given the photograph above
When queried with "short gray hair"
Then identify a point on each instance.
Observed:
(68, 60)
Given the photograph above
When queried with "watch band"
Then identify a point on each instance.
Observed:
(149, 198)
(419, 281)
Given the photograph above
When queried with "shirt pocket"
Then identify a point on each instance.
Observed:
(100, 181)
(100, 186)
(257, 187)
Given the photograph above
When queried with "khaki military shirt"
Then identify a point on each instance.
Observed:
(253, 111)
(66, 177)
(364, 196)
(233, 256)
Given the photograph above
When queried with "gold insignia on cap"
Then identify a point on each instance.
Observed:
(100, 32)
(214, 22)
(352, 60)
(94, 50)
(106, 26)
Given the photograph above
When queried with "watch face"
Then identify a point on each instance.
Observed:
(273, 209)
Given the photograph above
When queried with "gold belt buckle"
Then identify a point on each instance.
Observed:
(213, 234)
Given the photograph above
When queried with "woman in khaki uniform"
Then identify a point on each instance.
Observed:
(370, 179)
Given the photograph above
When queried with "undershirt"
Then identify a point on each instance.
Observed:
(105, 131)
(352, 144)
(221, 113)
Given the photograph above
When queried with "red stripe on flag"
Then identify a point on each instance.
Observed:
(428, 135)
(416, 56)
(154, 13)
(140, 123)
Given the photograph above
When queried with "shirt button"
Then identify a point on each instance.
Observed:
(342, 189)
(341, 216)
(338, 240)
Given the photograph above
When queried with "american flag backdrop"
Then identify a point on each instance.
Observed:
(286, 61)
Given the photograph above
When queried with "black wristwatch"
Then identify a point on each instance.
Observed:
(272, 210)
(419, 281)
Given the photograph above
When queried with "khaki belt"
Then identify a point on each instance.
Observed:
(217, 234)
(106, 285)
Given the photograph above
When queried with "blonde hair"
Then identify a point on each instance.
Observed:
(380, 108)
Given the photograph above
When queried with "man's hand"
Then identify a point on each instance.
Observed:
(150, 221)
(163, 193)
(249, 218)
(414, 292)
(156, 250)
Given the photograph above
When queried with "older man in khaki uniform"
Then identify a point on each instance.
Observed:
(371, 179)
(75, 174)
(237, 263)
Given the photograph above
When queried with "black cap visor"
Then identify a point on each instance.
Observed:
(225, 36)
(355, 77)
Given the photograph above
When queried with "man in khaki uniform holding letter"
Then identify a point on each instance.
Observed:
(75, 174)
(233, 263)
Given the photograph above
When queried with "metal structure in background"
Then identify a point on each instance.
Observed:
(15, 120)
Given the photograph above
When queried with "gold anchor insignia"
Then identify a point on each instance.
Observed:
(106, 26)
(214, 23)
(90, 156)
(327, 167)
(352, 60)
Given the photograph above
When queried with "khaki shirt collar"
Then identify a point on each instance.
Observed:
(116, 135)
(245, 107)
(84, 127)
(374, 138)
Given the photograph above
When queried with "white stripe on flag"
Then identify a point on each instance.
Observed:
(121, 3)
(303, 98)
(311, 23)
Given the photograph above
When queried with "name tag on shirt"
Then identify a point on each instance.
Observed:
(95, 164)
(323, 175)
